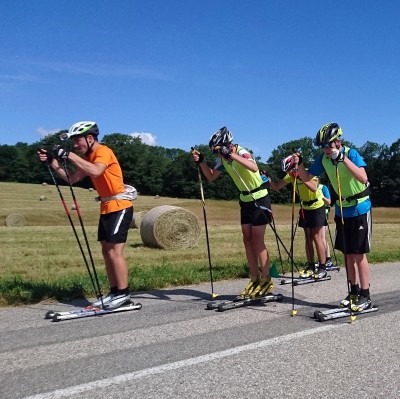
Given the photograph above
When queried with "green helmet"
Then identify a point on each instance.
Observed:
(81, 129)
(328, 133)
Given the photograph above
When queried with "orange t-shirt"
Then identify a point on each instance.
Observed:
(110, 182)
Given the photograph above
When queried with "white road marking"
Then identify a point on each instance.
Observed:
(123, 378)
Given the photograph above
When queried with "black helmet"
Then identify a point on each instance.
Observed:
(328, 133)
(221, 137)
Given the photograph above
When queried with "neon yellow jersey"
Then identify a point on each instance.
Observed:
(244, 179)
(305, 194)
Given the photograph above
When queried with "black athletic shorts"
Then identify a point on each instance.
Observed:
(256, 213)
(114, 226)
(311, 218)
(357, 231)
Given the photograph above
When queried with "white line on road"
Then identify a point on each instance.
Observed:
(123, 378)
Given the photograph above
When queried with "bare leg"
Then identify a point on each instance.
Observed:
(116, 265)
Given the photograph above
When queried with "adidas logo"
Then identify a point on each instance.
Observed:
(361, 228)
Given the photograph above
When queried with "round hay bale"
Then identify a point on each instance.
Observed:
(43, 198)
(73, 207)
(44, 184)
(170, 227)
(15, 220)
(91, 189)
(137, 220)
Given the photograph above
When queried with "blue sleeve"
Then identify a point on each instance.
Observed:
(219, 165)
(356, 158)
(316, 168)
(325, 191)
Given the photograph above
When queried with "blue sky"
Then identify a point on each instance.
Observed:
(177, 70)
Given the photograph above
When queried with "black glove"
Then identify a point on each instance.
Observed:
(337, 156)
(225, 152)
(48, 155)
(59, 153)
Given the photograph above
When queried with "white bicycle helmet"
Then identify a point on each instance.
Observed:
(81, 129)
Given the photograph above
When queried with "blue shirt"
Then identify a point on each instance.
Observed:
(317, 169)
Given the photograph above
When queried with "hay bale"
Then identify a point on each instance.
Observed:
(170, 227)
(137, 220)
(44, 184)
(43, 198)
(15, 220)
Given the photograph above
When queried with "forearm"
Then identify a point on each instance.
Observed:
(210, 174)
(359, 173)
(249, 164)
(85, 168)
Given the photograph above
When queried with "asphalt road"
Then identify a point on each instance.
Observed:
(174, 348)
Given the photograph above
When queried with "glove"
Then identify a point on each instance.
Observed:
(49, 157)
(337, 156)
(225, 152)
(298, 155)
(199, 154)
(60, 153)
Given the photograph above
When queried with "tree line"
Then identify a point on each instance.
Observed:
(170, 172)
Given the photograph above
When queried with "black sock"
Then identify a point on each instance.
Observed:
(124, 291)
(364, 293)
(354, 289)
(113, 290)
(328, 258)
(322, 265)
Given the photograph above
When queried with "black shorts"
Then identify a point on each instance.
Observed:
(357, 231)
(114, 226)
(310, 218)
(256, 213)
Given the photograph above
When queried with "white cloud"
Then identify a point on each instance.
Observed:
(147, 138)
(42, 132)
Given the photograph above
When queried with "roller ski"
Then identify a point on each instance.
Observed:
(339, 313)
(311, 274)
(353, 305)
(255, 292)
(90, 311)
(331, 267)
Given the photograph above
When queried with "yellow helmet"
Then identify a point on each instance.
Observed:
(328, 133)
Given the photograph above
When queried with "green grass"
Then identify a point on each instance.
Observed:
(41, 260)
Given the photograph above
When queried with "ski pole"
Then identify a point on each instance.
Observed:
(72, 224)
(294, 311)
(330, 236)
(352, 316)
(277, 245)
(98, 291)
(213, 295)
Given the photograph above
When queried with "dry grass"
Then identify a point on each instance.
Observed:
(24, 199)
(46, 250)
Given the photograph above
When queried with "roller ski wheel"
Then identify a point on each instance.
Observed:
(56, 317)
(49, 314)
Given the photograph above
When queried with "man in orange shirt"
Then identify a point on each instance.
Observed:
(116, 209)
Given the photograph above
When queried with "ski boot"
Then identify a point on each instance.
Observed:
(264, 286)
(320, 273)
(350, 298)
(249, 287)
(308, 271)
(362, 303)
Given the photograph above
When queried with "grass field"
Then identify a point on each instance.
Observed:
(41, 260)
